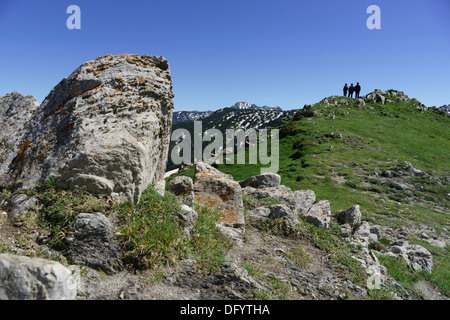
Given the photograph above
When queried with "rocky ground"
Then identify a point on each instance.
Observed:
(276, 253)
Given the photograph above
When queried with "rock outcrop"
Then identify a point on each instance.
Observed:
(264, 180)
(24, 278)
(182, 187)
(216, 189)
(93, 243)
(105, 128)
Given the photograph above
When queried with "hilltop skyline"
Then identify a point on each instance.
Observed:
(274, 53)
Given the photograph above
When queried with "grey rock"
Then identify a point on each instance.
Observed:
(188, 216)
(346, 230)
(282, 211)
(352, 216)
(216, 189)
(92, 242)
(16, 110)
(182, 187)
(376, 230)
(363, 232)
(298, 201)
(414, 171)
(105, 128)
(387, 174)
(401, 186)
(304, 199)
(320, 214)
(380, 98)
(24, 278)
(160, 187)
(417, 257)
(265, 180)
(260, 212)
(20, 204)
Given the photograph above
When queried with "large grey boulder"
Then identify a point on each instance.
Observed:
(92, 242)
(105, 128)
(16, 110)
(23, 278)
(216, 189)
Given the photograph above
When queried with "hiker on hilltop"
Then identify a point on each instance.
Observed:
(351, 90)
(345, 90)
(357, 90)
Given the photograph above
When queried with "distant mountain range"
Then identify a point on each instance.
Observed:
(445, 108)
(241, 115)
(186, 116)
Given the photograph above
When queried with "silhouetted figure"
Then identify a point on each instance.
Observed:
(351, 90)
(357, 90)
(345, 90)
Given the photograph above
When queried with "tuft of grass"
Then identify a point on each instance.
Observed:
(60, 208)
(300, 256)
(208, 245)
(151, 234)
(399, 270)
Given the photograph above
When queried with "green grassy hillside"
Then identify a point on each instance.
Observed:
(351, 152)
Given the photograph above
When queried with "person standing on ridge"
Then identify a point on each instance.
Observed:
(351, 90)
(345, 90)
(357, 90)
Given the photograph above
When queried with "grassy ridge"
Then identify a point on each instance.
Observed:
(340, 150)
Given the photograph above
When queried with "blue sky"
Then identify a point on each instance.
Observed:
(283, 53)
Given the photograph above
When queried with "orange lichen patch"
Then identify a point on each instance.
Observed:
(23, 146)
(141, 80)
(111, 99)
(100, 68)
(68, 126)
(119, 90)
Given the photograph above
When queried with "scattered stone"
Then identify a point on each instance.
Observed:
(282, 211)
(415, 255)
(346, 230)
(160, 187)
(93, 243)
(320, 214)
(24, 278)
(401, 186)
(265, 180)
(298, 201)
(259, 213)
(188, 217)
(352, 217)
(414, 171)
(19, 205)
(182, 187)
